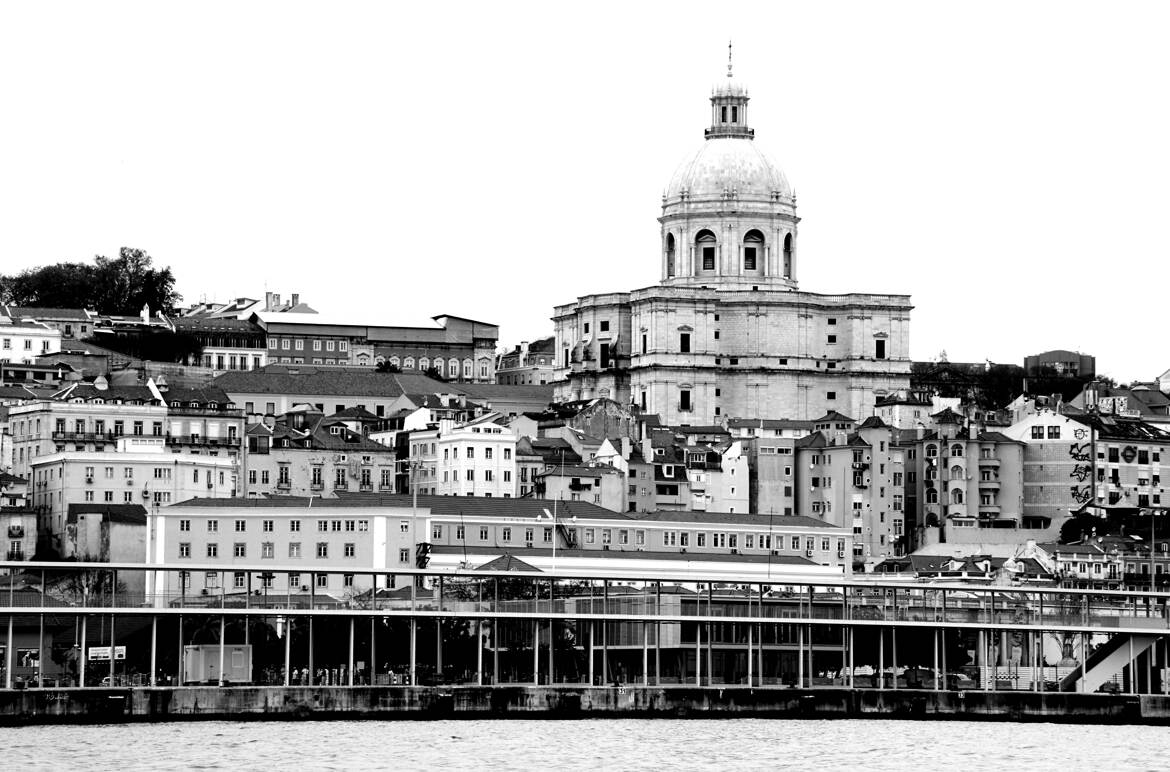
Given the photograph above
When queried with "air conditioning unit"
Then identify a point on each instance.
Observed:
(734, 551)
(808, 553)
(775, 552)
(130, 481)
(209, 485)
(605, 546)
(89, 481)
(840, 553)
(682, 550)
(304, 588)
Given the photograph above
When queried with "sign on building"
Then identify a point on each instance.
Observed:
(103, 652)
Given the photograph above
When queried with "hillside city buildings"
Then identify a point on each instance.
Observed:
(723, 422)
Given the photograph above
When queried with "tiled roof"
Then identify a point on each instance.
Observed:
(11, 479)
(131, 514)
(46, 313)
(832, 416)
(301, 379)
(738, 518)
(508, 562)
(489, 391)
(89, 392)
(768, 423)
(873, 422)
(203, 395)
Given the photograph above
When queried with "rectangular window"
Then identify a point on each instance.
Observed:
(708, 258)
(684, 343)
(239, 550)
(322, 549)
(213, 550)
(1054, 432)
(267, 550)
(185, 549)
(294, 551)
(879, 349)
(350, 550)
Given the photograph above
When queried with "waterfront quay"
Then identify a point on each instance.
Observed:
(78, 642)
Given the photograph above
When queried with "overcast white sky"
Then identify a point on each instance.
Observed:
(1006, 164)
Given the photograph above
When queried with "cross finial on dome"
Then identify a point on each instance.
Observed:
(728, 58)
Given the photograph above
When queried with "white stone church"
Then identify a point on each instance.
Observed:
(727, 333)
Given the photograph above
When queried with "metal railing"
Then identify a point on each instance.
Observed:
(217, 587)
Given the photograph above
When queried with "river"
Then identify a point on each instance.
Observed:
(630, 744)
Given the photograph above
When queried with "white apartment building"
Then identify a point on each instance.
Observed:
(138, 471)
(23, 340)
(477, 458)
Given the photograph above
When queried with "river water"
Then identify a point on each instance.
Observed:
(628, 744)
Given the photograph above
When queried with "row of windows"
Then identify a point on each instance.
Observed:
(211, 580)
(298, 344)
(268, 550)
(294, 526)
(28, 345)
(160, 497)
(623, 537)
(469, 452)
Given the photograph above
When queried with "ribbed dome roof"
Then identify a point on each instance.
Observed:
(725, 164)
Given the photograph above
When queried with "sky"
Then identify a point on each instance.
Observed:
(1006, 164)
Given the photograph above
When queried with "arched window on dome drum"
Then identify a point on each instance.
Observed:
(788, 256)
(753, 249)
(670, 254)
(705, 246)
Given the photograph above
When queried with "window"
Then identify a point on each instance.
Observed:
(212, 526)
(184, 525)
(322, 580)
(239, 550)
(350, 550)
(684, 343)
(830, 395)
(684, 400)
(241, 526)
(213, 550)
(832, 339)
(1054, 432)
(294, 551)
(267, 550)
(185, 549)
(322, 549)
(1037, 432)
(879, 349)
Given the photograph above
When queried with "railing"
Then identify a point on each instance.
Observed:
(202, 441)
(201, 412)
(507, 594)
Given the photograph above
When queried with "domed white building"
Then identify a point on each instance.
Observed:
(727, 333)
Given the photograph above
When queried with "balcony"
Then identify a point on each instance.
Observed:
(989, 484)
(576, 486)
(284, 485)
(198, 440)
(14, 555)
(366, 487)
(16, 532)
(204, 412)
(989, 462)
(860, 466)
(317, 486)
(85, 436)
(989, 509)
(340, 486)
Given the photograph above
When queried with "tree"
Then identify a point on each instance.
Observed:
(434, 374)
(386, 367)
(121, 285)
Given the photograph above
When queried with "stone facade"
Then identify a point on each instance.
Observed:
(726, 333)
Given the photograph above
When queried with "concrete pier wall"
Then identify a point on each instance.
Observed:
(242, 703)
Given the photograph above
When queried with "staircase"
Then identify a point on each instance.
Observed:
(1108, 660)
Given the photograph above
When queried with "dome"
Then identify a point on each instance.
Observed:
(726, 164)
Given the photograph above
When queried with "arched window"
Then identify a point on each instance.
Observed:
(753, 250)
(705, 247)
(408, 364)
(956, 449)
(670, 254)
(931, 451)
(956, 472)
(788, 256)
(453, 368)
(931, 495)
(957, 496)
(424, 363)
(394, 361)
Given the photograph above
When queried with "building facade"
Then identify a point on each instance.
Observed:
(727, 333)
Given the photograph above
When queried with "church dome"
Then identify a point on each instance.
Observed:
(726, 165)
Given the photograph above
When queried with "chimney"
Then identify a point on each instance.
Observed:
(296, 299)
(268, 301)
(626, 448)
